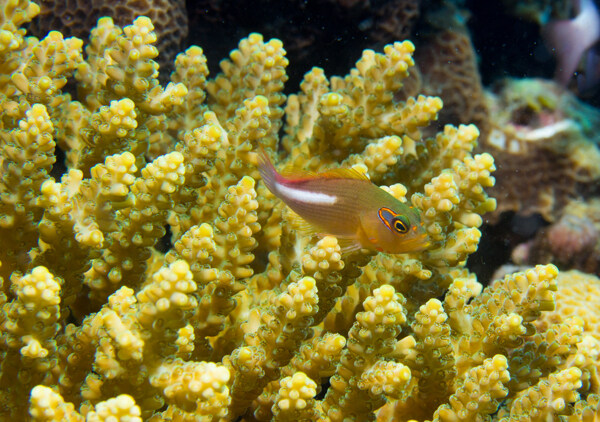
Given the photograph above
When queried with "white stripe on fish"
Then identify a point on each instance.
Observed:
(305, 196)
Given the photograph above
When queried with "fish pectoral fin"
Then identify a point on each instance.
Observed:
(348, 244)
(299, 224)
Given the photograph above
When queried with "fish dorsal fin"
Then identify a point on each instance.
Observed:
(340, 173)
(344, 173)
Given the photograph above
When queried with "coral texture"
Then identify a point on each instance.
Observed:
(233, 313)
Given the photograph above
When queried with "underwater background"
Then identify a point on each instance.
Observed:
(148, 273)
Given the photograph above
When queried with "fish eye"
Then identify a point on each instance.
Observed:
(400, 226)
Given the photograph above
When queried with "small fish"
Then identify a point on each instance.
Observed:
(344, 203)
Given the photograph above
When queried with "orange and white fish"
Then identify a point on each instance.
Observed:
(344, 203)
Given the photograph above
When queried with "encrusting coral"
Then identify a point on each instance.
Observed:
(571, 242)
(545, 145)
(447, 62)
(236, 314)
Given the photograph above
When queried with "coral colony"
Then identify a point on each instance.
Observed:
(234, 314)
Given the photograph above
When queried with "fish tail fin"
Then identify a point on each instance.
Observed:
(267, 171)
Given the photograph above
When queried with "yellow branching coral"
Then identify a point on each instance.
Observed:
(295, 399)
(364, 377)
(548, 398)
(38, 299)
(44, 73)
(482, 388)
(29, 325)
(49, 406)
(28, 155)
(199, 388)
(142, 226)
(159, 280)
(433, 364)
